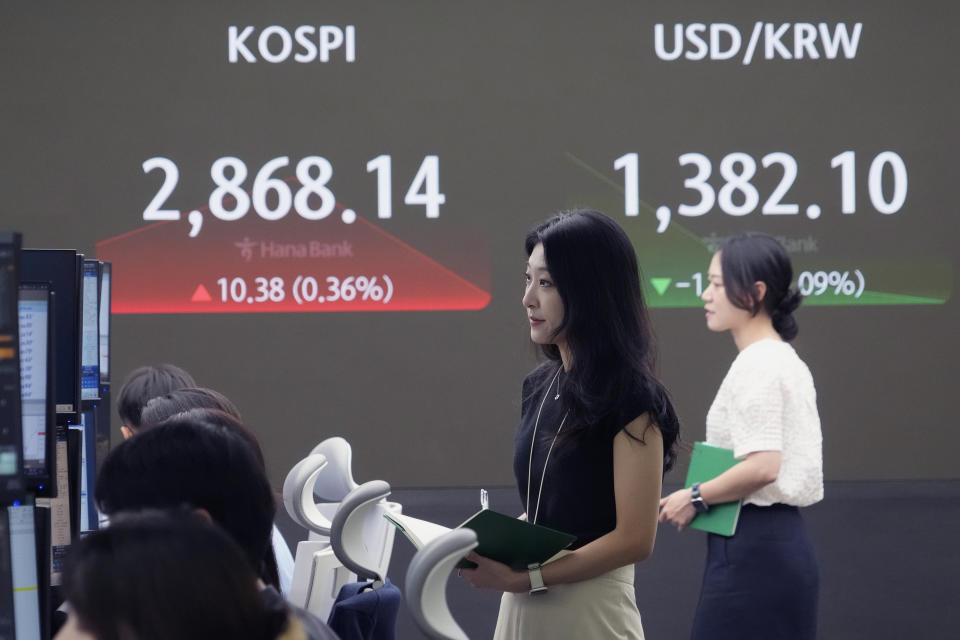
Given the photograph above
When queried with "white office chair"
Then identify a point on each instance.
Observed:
(425, 587)
(298, 494)
(317, 574)
(315, 486)
(337, 481)
(358, 535)
(359, 540)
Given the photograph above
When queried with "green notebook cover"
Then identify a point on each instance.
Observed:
(516, 543)
(706, 463)
(500, 537)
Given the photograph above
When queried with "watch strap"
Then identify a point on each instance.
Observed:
(699, 504)
(536, 579)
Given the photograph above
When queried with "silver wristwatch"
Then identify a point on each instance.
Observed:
(536, 579)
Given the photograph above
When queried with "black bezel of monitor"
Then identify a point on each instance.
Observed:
(64, 269)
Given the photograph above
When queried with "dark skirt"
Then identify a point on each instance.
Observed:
(762, 582)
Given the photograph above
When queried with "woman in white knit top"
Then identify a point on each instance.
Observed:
(763, 581)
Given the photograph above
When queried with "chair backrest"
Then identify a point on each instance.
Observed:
(355, 528)
(317, 578)
(425, 586)
(326, 475)
(337, 479)
(298, 489)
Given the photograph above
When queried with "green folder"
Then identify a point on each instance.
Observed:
(706, 463)
(500, 537)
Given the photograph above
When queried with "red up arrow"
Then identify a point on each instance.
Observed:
(201, 294)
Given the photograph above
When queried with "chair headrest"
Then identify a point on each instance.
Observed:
(358, 510)
(298, 493)
(337, 479)
(425, 586)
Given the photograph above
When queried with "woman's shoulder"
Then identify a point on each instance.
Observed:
(764, 357)
(541, 371)
(768, 363)
(536, 380)
(646, 398)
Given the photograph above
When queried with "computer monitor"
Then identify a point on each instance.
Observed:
(36, 382)
(90, 334)
(7, 622)
(26, 585)
(63, 269)
(12, 485)
(102, 419)
(60, 510)
(89, 516)
(106, 270)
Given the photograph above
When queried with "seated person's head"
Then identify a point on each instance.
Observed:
(177, 401)
(211, 407)
(161, 575)
(141, 386)
(162, 409)
(192, 461)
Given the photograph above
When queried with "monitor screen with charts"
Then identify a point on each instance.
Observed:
(35, 322)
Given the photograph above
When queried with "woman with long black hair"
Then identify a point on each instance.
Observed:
(597, 432)
(762, 582)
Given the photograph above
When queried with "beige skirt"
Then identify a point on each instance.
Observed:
(603, 607)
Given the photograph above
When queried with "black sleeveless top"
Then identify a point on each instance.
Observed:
(578, 493)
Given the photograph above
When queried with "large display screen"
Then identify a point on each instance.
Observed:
(250, 168)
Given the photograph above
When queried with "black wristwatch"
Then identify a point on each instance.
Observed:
(698, 503)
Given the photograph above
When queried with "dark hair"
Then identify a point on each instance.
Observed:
(177, 401)
(210, 407)
(160, 575)
(193, 404)
(146, 383)
(605, 324)
(758, 257)
(198, 463)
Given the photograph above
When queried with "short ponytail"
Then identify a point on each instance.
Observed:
(782, 315)
(758, 257)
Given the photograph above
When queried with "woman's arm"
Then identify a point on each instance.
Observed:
(756, 471)
(637, 473)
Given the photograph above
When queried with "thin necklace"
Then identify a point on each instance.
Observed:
(533, 440)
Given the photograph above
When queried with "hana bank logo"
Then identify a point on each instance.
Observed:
(271, 250)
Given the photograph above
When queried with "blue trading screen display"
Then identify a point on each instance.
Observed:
(89, 516)
(104, 324)
(90, 339)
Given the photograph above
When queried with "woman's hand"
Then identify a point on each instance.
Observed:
(491, 574)
(677, 509)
